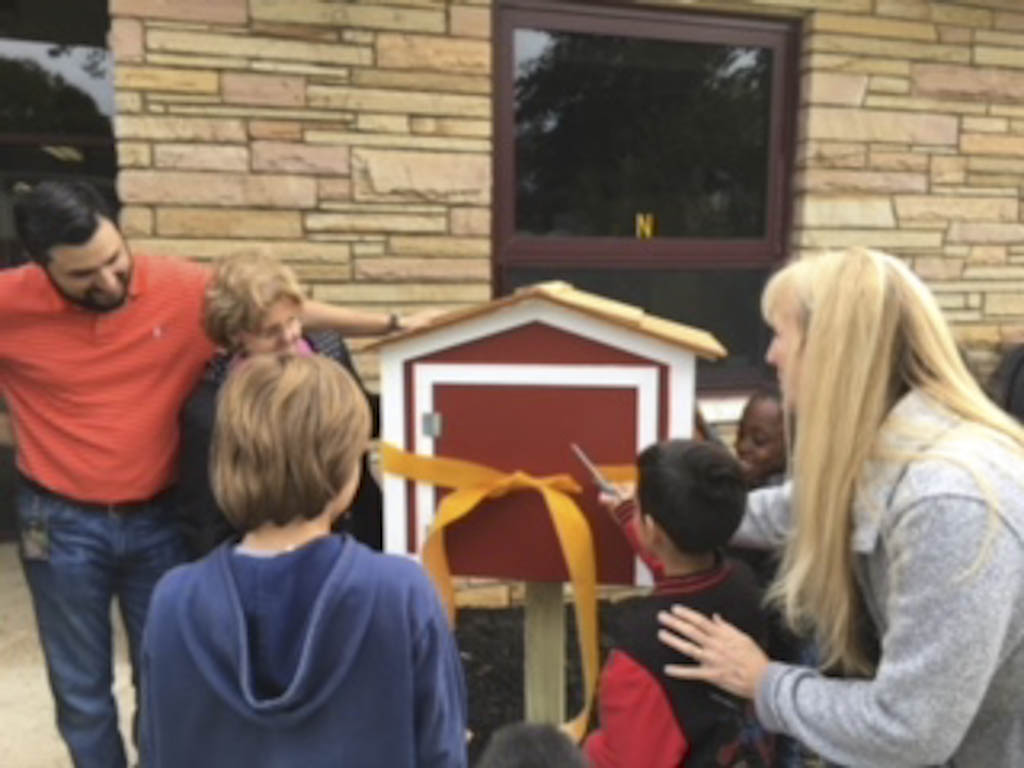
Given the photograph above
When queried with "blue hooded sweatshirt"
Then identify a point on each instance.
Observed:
(331, 655)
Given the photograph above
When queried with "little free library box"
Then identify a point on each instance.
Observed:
(481, 409)
(510, 384)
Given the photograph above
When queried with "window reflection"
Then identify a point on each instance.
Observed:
(55, 122)
(55, 88)
(609, 128)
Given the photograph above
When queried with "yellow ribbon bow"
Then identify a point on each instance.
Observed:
(473, 483)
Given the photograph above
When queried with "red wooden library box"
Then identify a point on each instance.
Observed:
(511, 383)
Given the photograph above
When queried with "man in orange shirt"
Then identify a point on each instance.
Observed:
(99, 347)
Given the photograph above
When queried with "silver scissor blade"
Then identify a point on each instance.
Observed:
(599, 480)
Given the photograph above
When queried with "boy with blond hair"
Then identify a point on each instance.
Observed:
(294, 646)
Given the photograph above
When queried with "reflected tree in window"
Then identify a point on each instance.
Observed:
(609, 127)
(55, 122)
(40, 101)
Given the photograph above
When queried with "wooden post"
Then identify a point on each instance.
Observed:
(544, 653)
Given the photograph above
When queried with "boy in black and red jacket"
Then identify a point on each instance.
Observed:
(691, 499)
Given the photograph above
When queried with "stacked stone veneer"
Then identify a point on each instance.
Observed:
(353, 139)
(912, 139)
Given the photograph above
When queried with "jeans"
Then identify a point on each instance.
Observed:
(75, 561)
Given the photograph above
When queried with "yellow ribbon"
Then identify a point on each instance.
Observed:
(472, 483)
(619, 473)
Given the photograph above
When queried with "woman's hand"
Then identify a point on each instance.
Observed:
(725, 656)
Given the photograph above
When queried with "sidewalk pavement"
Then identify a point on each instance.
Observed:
(28, 737)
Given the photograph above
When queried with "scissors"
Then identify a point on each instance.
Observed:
(599, 480)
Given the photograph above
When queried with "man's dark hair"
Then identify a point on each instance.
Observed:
(693, 490)
(55, 213)
(530, 745)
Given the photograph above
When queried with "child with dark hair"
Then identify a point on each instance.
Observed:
(761, 440)
(691, 498)
(531, 745)
(761, 449)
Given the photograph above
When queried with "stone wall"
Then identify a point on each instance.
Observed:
(912, 140)
(354, 140)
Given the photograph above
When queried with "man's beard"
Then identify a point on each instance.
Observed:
(91, 304)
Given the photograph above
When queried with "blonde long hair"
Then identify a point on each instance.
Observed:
(870, 331)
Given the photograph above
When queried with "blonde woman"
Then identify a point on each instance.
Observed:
(253, 306)
(902, 529)
(295, 647)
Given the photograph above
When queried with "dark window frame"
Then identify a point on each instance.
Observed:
(682, 25)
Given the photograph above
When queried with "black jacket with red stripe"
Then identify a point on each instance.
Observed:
(651, 721)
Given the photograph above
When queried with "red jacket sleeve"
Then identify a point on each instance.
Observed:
(626, 516)
(638, 727)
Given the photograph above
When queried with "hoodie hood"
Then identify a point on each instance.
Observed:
(276, 636)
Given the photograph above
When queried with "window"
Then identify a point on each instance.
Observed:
(58, 102)
(645, 155)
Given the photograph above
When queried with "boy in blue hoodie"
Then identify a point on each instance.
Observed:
(291, 645)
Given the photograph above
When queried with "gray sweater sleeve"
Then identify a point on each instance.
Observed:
(766, 521)
(951, 599)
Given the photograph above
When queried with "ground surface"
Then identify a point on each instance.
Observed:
(28, 736)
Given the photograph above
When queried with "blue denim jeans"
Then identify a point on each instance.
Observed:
(76, 561)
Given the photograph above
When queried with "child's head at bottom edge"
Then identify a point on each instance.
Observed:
(531, 745)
